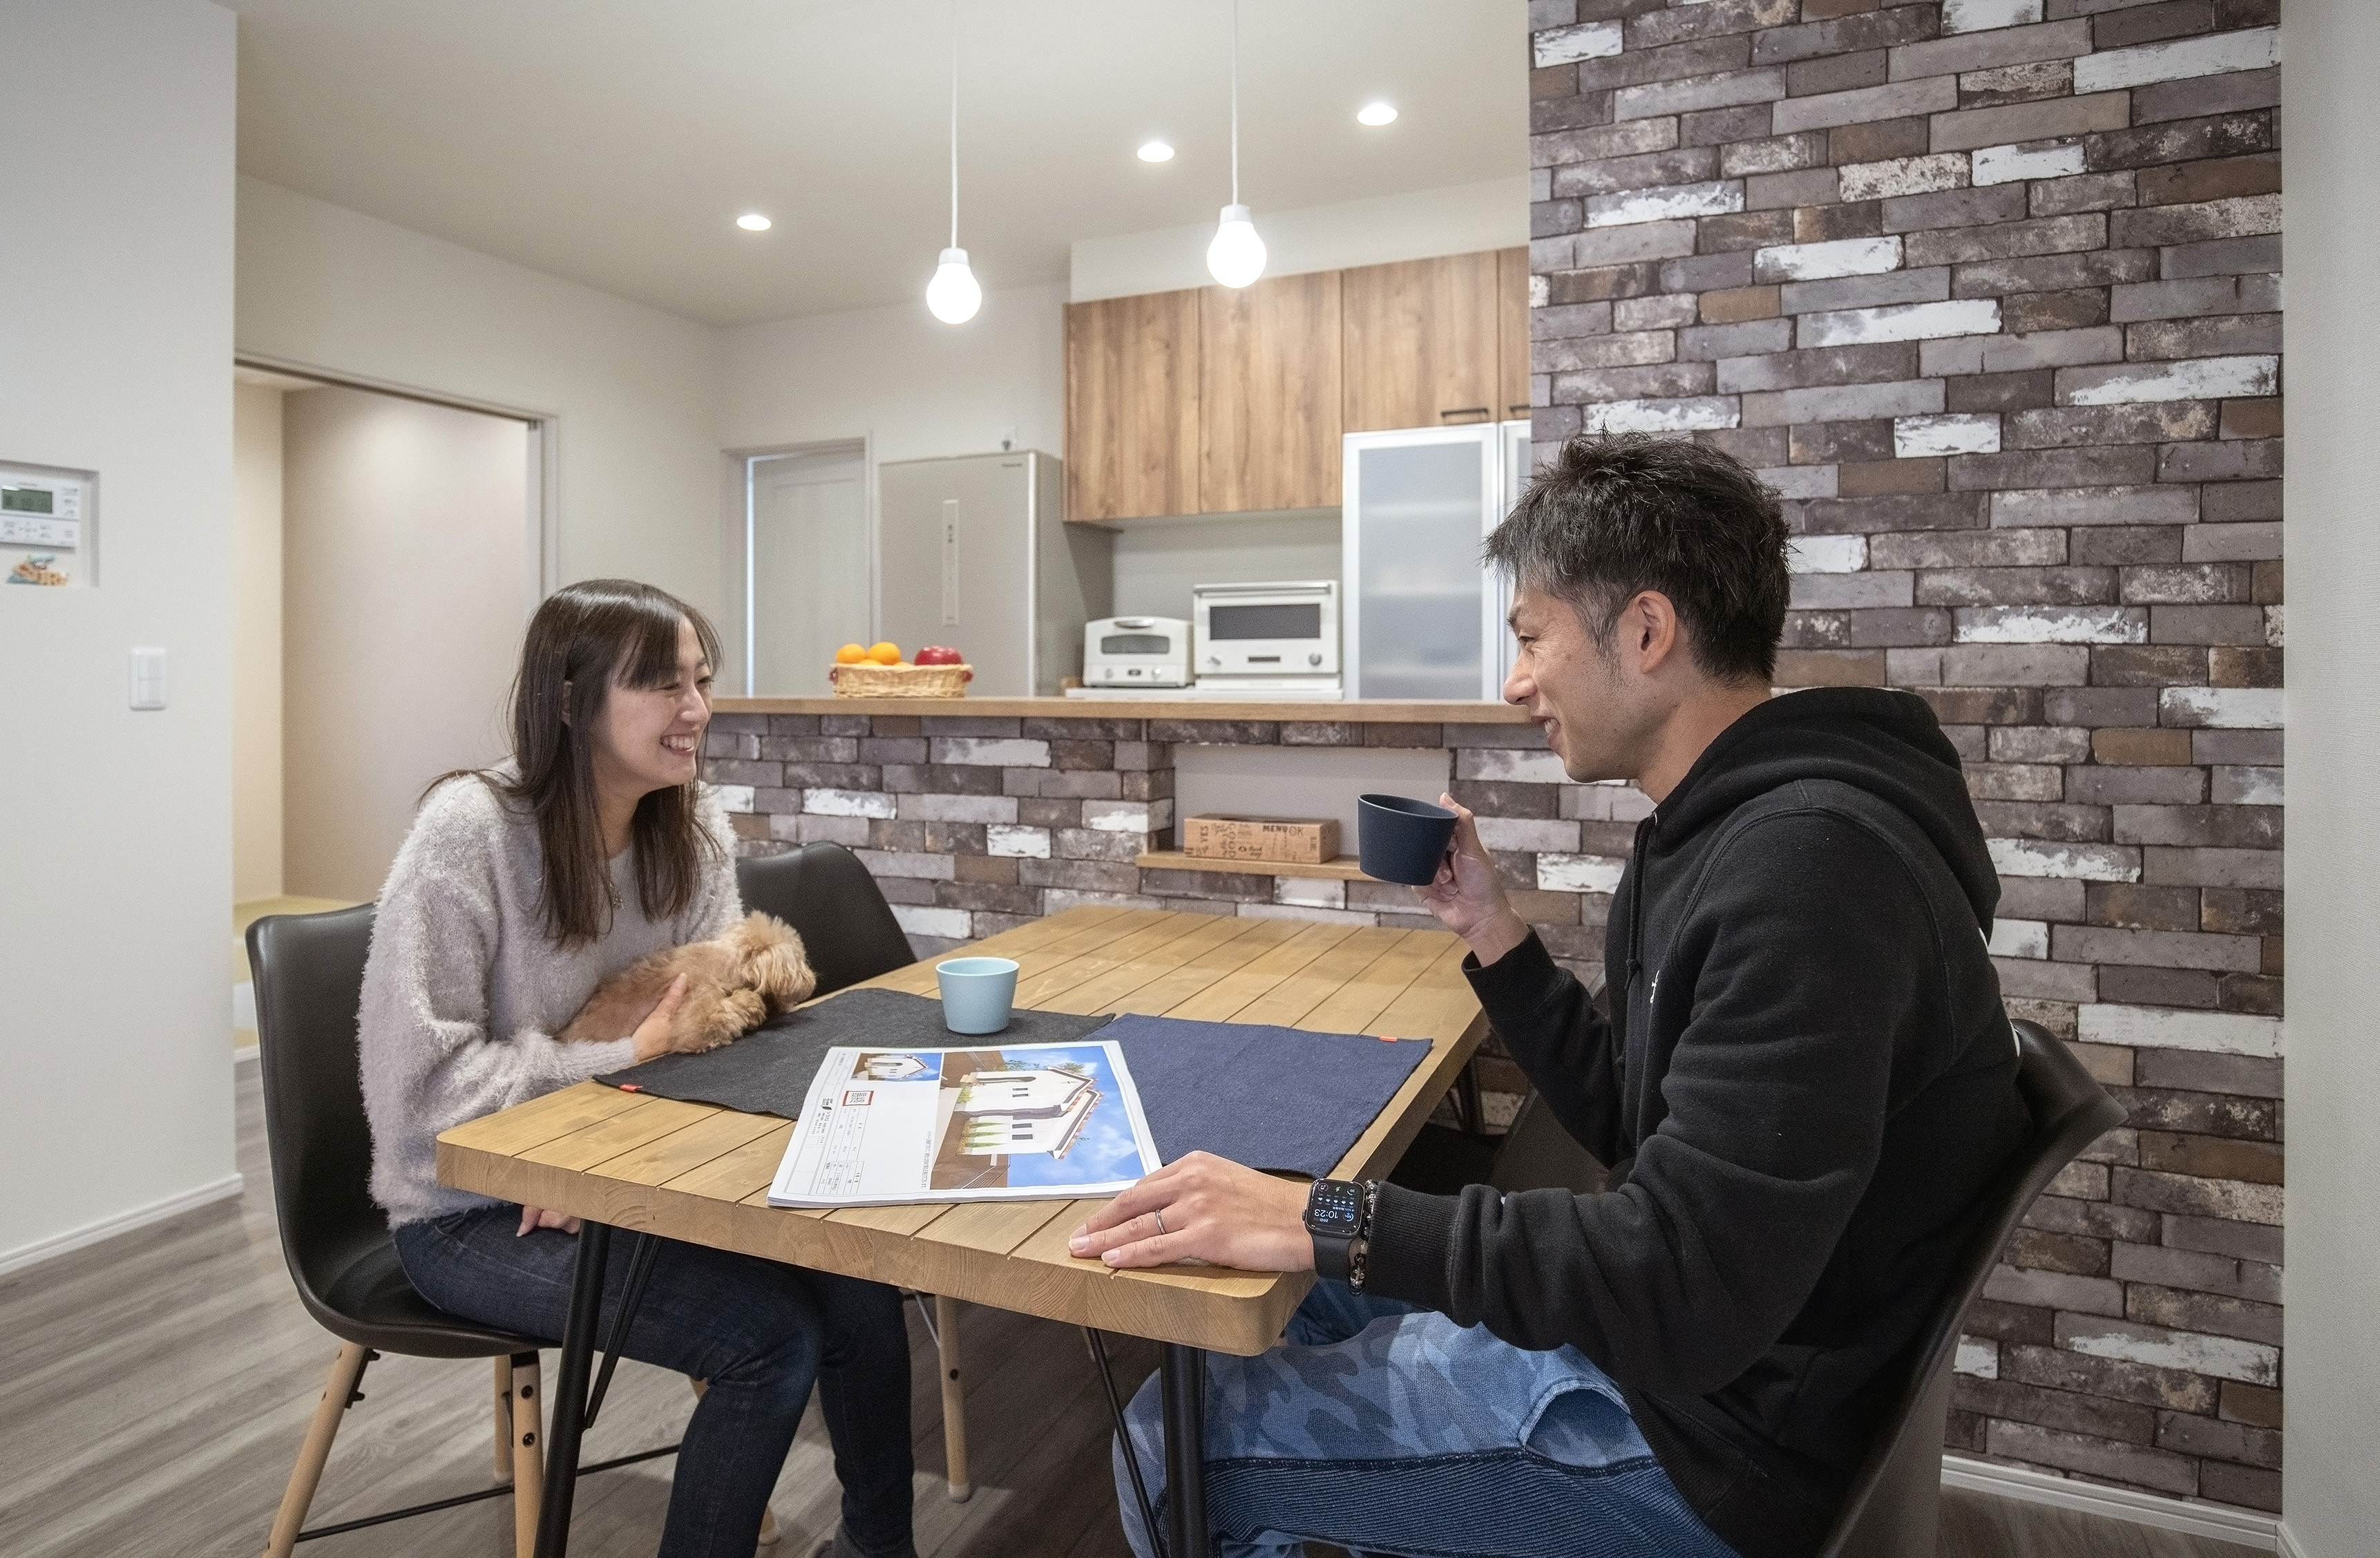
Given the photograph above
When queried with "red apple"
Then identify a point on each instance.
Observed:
(939, 654)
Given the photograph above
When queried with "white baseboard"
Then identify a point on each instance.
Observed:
(123, 1222)
(2289, 1546)
(244, 1055)
(2246, 1528)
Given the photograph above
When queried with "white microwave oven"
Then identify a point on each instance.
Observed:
(1246, 631)
(1137, 651)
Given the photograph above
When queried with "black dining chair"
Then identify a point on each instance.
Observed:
(309, 972)
(1894, 1507)
(823, 891)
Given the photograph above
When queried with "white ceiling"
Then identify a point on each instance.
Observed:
(614, 142)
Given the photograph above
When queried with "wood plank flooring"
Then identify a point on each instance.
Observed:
(153, 1390)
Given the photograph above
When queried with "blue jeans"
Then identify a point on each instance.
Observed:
(761, 1332)
(1382, 1427)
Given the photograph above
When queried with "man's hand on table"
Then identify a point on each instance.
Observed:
(1209, 1209)
(1468, 897)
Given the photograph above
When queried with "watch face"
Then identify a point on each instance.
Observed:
(1335, 1206)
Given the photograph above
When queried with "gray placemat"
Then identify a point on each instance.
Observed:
(768, 1070)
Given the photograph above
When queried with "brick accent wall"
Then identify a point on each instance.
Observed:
(1989, 291)
(974, 825)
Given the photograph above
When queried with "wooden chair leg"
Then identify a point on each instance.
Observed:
(345, 1371)
(525, 1445)
(503, 1434)
(768, 1515)
(955, 1444)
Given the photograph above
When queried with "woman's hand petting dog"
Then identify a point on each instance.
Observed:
(652, 1035)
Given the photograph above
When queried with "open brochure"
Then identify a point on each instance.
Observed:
(1023, 1122)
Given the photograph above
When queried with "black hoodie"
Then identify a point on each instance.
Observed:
(1806, 1083)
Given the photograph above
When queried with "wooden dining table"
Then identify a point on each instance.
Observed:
(701, 1174)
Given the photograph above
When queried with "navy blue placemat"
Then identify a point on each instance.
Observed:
(1271, 1098)
(768, 1070)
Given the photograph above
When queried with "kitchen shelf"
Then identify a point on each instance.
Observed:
(1343, 869)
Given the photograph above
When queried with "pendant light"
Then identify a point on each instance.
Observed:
(1236, 257)
(953, 295)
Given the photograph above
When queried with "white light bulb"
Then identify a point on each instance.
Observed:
(753, 222)
(1236, 257)
(953, 295)
(1156, 152)
(1376, 114)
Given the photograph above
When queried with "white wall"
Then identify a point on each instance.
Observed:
(2330, 1500)
(117, 315)
(635, 390)
(409, 570)
(918, 387)
(1159, 561)
(923, 387)
(1420, 224)
(256, 643)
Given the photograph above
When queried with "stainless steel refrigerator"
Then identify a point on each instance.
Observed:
(975, 554)
(1419, 616)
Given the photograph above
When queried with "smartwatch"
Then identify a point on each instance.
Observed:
(1335, 1217)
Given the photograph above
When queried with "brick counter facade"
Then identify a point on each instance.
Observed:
(1990, 291)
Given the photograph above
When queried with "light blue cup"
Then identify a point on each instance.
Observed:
(977, 993)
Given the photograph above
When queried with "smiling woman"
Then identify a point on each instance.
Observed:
(519, 890)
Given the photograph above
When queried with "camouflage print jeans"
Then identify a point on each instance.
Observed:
(1384, 1429)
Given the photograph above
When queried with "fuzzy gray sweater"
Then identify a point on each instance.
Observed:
(463, 989)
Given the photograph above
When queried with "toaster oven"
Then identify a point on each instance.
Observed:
(1136, 651)
(1267, 635)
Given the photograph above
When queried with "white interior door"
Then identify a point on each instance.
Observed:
(813, 588)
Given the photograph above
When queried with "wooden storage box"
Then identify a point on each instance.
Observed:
(1302, 841)
(868, 679)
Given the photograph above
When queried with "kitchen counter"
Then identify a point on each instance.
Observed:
(1156, 706)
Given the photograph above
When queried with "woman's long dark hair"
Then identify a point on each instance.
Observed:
(582, 640)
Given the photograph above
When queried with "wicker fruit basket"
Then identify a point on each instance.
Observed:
(868, 679)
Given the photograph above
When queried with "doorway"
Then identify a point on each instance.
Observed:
(809, 551)
(389, 551)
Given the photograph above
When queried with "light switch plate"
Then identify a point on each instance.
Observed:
(147, 678)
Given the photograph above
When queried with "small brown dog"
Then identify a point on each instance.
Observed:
(733, 985)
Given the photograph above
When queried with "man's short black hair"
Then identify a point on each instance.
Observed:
(1618, 515)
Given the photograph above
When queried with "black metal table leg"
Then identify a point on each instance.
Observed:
(570, 1394)
(1182, 1385)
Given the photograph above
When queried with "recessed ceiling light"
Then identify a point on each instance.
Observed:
(1156, 152)
(753, 222)
(1376, 114)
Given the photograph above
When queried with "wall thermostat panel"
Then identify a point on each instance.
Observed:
(46, 519)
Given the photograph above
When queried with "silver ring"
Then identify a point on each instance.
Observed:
(1160, 1220)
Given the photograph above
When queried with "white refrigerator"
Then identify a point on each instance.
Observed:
(976, 553)
(1420, 616)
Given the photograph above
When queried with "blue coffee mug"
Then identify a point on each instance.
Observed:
(977, 993)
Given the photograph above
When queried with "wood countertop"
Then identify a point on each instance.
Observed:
(1156, 707)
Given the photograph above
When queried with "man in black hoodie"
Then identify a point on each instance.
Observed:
(1806, 1082)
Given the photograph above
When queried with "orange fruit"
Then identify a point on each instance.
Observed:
(886, 654)
(850, 655)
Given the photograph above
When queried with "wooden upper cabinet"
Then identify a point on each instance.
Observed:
(1420, 342)
(1511, 333)
(1132, 406)
(1268, 386)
